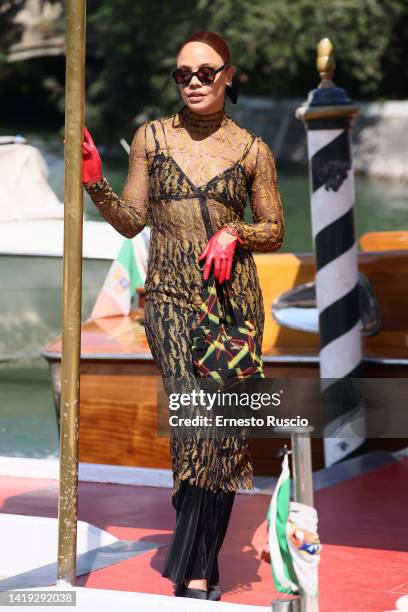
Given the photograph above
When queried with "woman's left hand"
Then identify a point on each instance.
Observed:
(220, 250)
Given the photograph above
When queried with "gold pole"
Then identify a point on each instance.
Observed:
(72, 288)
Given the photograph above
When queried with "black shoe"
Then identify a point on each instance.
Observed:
(179, 590)
(182, 591)
(195, 593)
(214, 593)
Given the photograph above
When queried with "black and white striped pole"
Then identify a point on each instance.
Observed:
(327, 115)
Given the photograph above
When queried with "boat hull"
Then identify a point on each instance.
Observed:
(120, 381)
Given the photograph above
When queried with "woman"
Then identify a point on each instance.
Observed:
(196, 158)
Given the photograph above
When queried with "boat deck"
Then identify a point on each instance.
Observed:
(364, 565)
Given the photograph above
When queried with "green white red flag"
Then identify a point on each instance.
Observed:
(294, 544)
(282, 568)
(127, 272)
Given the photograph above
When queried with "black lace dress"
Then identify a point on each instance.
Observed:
(176, 163)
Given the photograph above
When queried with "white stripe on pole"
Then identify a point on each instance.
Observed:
(341, 356)
(317, 139)
(347, 438)
(323, 213)
(337, 278)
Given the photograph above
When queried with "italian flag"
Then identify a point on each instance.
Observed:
(282, 567)
(126, 273)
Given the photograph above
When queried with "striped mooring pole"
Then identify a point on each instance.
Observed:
(327, 115)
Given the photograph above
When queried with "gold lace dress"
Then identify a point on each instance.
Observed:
(177, 163)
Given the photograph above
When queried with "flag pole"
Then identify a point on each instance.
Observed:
(72, 290)
(303, 491)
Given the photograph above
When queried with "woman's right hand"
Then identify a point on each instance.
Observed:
(92, 163)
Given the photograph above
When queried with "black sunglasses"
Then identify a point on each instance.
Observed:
(205, 74)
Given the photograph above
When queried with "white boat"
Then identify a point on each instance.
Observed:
(31, 250)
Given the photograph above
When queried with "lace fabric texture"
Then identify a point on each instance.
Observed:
(176, 163)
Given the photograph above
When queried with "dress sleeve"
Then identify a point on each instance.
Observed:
(266, 233)
(127, 214)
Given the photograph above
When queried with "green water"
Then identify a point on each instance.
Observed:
(27, 418)
(379, 205)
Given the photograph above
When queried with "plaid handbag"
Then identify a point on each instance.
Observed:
(226, 349)
(223, 350)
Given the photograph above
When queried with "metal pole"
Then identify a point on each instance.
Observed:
(72, 288)
(327, 114)
(302, 467)
(286, 605)
(303, 492)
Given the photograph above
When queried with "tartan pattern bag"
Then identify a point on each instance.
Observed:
(223, 350)
(227, 349)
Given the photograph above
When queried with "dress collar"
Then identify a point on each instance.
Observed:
(209, 121)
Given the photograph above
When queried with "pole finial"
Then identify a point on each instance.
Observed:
(325, 62)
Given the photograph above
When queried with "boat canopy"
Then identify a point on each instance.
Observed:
(24, 190)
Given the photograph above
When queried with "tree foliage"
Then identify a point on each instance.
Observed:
(132, 47)
(273, 44)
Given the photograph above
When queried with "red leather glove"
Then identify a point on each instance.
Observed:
(221, 253)
(92, 163)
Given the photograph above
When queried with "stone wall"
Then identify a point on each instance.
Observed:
(379, 134)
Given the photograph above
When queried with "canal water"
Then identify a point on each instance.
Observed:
(27, 418)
